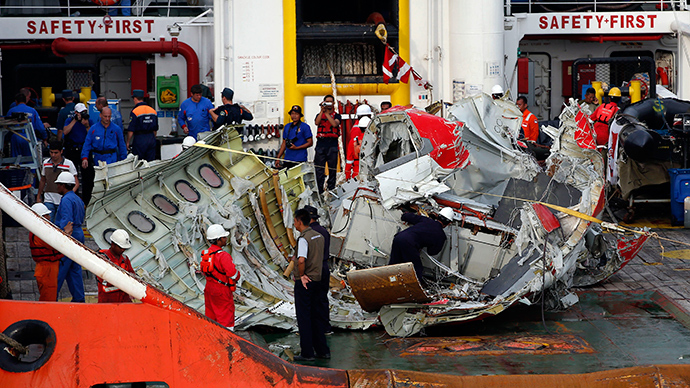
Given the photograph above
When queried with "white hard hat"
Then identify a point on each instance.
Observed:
(497, 89)
(121, 239)
(447, 213)
(216, 231)
(80, 107)
(65, 177)
(364, 122)
(363, 109)
(40, 209)
(188, 142)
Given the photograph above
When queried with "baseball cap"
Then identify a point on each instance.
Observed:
(227, 93)
(312, 212)
(80, 108)
(138, 93)
(296, 108)
(67, 93)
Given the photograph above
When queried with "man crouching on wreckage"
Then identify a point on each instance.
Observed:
(518, 230)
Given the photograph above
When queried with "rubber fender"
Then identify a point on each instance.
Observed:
(639, 145)
(28, 332)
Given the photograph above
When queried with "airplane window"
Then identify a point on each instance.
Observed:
(187, 191)
(107, 233)
(141, 221)
(165, 205)
(210, 175)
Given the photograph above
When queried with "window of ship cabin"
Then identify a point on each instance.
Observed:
(165, 205)
(211, 176)
(187, 191)
(337, 36)
(141, 221)
(107, 233)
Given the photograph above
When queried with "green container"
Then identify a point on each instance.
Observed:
(168, 91)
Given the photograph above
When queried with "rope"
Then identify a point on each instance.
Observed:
(14, 344)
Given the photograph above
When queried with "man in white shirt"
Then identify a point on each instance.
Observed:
(52, 167)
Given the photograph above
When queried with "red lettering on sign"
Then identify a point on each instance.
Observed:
(125, 27)
(31, 27)
(651, 20)
(576, 21)
(148, 24)
(554, 23)
(54, 25)
(92, 25)
(543, 22)
(43, 29)
(587, 19)
(640, 21)
(66, 27)
(599, 19)
(614, 19)
(136, 26)
(78, 23)
(629, 20)
(564, 21)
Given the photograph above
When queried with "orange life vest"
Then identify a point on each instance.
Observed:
(604, 113)
(41, 253)
(209, 269)
(122, 262)
(325, 128)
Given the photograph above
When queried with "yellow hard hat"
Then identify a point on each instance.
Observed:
(614, 92)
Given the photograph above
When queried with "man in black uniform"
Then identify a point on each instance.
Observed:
(326, 150)
(66, 111)
(307, 274)
(424, 233)
(325, 271)
(143, 127)
(229, 113)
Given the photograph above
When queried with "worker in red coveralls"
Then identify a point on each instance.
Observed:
(353, 148)
(221, 277)
(47, 260)
(530, 126)
(119, 243)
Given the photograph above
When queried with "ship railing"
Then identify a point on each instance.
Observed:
(540, 6)
(90, 8)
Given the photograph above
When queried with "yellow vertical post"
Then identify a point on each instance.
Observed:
(599, 91)
(635, 91)
(85, 94)
(47, 96)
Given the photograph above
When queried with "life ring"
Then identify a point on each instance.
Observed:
(29, 333)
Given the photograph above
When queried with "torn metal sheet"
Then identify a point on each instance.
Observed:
(520, 229)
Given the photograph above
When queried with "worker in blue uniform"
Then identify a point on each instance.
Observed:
(66, 111)
(424, 233)
(195, 113)
(229, 113)
(143, 128)
(115, 115)
(104, 142)
(18, 143)
(70, 217)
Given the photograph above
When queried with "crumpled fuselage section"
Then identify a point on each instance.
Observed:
(507, 242)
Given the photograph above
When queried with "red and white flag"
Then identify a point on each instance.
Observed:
(395, 67)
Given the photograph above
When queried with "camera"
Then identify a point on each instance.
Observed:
(327, 104)
(290, 142)
(82, 115)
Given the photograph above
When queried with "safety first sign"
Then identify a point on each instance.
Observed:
(86, 28)
(597, 23)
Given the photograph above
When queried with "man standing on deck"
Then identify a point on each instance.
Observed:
(308, 290)
(325, 270)
(354, 147)
(604, 114)
(119, 243)
(229, 113)
(424, 233)
(52, 168)
(70, 217)
(19, 144)
(115, 115)
(66, 111)
(47, 260)
(297, 138)
(221, 277)
(195, 113)
(326, 150)
(143, 127)
(73, 135)
(530, 126)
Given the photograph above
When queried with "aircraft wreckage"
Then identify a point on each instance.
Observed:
(521, 228)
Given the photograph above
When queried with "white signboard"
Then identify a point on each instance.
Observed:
(597, 23)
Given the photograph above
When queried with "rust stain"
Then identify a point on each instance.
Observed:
(490, 345)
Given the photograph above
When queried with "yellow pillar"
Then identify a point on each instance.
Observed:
(635, 91)
(599, 91)
(85, 94)
(47, 96)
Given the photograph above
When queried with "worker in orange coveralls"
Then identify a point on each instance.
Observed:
(47, 260)
(221, 278)
(119, 243)
(354, 147)
(530, 126)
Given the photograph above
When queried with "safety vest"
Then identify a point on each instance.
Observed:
(325, 128)
(51, 171)
(605, 113)
(209, 269)
(122, 262)
(41, 253)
